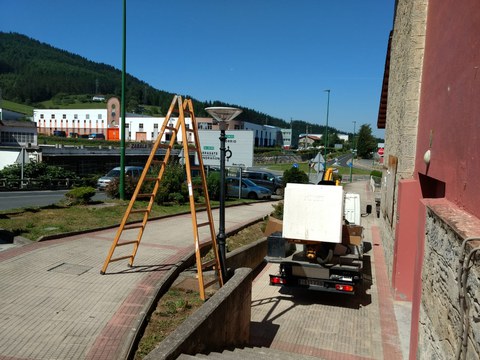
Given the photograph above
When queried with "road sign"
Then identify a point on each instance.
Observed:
(239, 142)
(380, 151)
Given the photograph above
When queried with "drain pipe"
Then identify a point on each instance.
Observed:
(462, 277)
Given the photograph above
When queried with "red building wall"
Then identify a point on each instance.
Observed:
(449, 120)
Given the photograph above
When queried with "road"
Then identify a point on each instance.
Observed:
(20, 199)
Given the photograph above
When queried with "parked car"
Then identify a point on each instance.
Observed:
(266, 179)
(249, 189)
(96, 137)
(59, 133)
(133, 171)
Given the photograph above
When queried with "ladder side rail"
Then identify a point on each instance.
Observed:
(201, 285)
(205, 192)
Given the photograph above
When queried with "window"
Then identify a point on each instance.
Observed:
(99, 116)
(53, 116)
(140, 126)
(87, 116)
(64, 116)
(75, 116)
(41, 116)
(155, 126)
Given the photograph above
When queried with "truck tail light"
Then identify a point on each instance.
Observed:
(277, 280)
(346, 288)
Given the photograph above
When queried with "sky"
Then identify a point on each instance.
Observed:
(274, 56)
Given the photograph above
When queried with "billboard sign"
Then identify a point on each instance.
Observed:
(238, 142)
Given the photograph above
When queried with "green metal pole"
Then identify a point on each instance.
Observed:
(326, 131)
(353, 150)
(122, 125)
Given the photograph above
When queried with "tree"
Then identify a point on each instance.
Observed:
(366, 143)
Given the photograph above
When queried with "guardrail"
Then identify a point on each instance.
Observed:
(36, 184)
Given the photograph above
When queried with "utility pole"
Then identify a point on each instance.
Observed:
(353, 151)
(122, 126)
(326, 130)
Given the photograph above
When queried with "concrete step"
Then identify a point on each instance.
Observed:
(258, 353)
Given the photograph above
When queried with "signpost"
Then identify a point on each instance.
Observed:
(239, 145)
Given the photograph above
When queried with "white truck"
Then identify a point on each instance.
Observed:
(321, 243)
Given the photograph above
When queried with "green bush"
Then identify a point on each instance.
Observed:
(376, 173)
(294, 175)
(172, 186)
(113, 188)
(213, 185)
(80, 195)
(277, 212)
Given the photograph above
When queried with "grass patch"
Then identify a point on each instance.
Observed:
(342, 170)
(33, 223)
(20, 108)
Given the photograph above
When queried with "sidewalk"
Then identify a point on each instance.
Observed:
(333, 326)
(54, 303)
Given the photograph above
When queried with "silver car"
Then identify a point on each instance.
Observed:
(248, 190)
(133, 171)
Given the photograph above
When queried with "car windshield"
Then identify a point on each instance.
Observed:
(113, 173)
(249, 183)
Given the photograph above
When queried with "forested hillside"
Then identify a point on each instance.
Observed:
(32, 72)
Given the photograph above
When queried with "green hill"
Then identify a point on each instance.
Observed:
(36, 74)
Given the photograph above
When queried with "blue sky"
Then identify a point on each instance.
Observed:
(274, 56)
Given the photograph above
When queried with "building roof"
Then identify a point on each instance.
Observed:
(17, 123)
(382, 111)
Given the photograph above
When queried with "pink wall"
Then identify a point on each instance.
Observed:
(450, 100)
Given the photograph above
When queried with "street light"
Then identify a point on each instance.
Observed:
(326, 132)
(222, 115)
(353, 151)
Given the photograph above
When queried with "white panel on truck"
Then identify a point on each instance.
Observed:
(313, 212)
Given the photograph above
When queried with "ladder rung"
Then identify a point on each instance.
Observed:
(151, 179)
(164, 146)
(145, 195)
(136, 211)
(209, 264)
(127, 242)
(195, 167)
(190, 130)
(203, 224)
(158, 162)
(132, 226)
(121, 258)
(200, 205)
(170, 128)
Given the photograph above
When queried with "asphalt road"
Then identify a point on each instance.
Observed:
(20, 199)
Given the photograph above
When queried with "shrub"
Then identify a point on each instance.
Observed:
(376, 173)
(113, 188)
(80, 195)
(277, 212)
(294, 175)
(213, 185)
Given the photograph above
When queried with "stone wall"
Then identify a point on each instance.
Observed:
(440, 327)
(405, 73)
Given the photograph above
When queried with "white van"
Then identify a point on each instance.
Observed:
(133, 171)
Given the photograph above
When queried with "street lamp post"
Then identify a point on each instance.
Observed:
(222, 115)
(353, 151)
(326, 132)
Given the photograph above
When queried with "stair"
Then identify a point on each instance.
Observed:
(257, 353)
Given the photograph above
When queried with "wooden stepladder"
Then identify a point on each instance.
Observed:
(153, 172)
